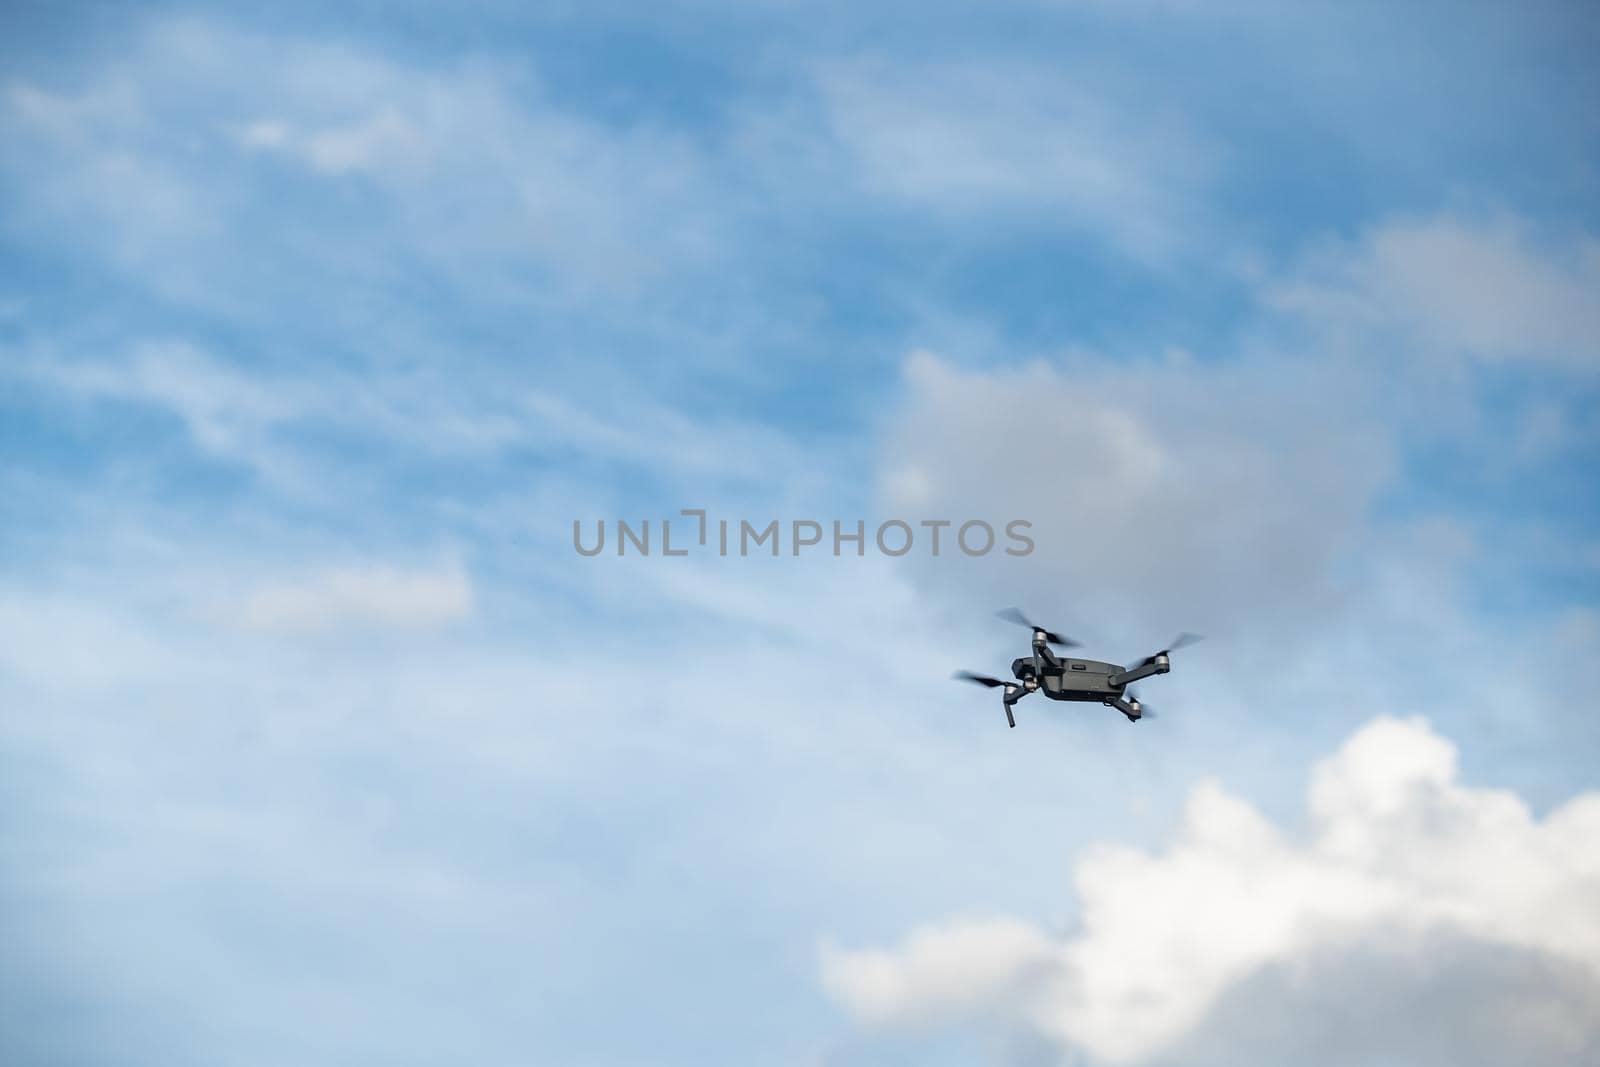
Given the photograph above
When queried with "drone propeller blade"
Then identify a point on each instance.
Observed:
(1145, 710)
(1183, 640)
(1016, 616)
(991, 683)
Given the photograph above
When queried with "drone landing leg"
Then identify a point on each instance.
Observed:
(1013, 694)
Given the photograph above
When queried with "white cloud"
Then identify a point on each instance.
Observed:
(1165, 494)
(265, 133)
(256, 416)
(74, 117)
(1030, 143)
(481, 176)
(381, 139)
(1403, 880)
(360, 596)
(226, 410)
(955, 969)
(1489, 290)
(362, 145)
(82, 158)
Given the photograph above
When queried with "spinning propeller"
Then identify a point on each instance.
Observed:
(1145, 710)
(1016, 616)
(981, 679)
(990, 683)
(1183, 640)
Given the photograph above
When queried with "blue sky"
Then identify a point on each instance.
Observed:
(320, 744)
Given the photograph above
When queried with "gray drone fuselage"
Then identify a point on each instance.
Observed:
(1069, 678)
(1084, 679)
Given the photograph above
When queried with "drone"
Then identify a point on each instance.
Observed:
(1083, 680)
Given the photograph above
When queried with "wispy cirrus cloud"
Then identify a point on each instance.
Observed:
(372, 144)
(468, 167)
(267, 418)
(1033, 147)
(360, 597)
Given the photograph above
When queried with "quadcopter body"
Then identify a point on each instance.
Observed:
(1070, 678)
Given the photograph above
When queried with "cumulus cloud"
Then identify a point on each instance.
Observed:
(360, 596)
(1489, 290)
(1415, 917)
(1208, 494)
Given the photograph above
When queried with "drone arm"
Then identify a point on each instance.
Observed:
(1043, 658)
(1041, 651)
(1153, 665)
(1130, 710)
